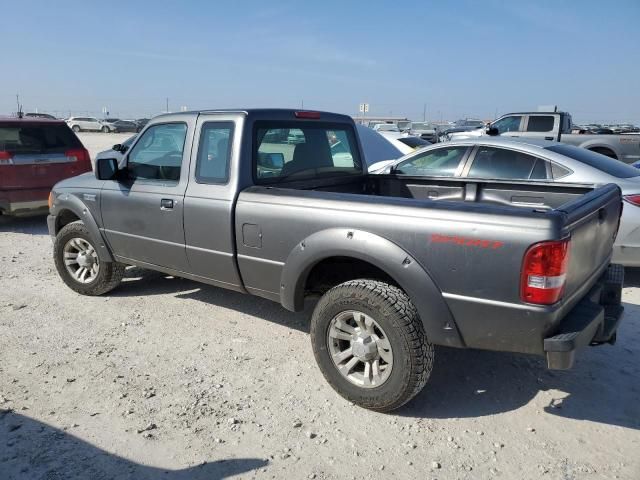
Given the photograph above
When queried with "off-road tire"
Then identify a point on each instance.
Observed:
(109, 275)
(391, 308)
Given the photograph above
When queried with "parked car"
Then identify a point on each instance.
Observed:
(36, 153)
(556, 126)
(124, 126)
(40, 115)
(204, 196)
(498, 158)
(86, 124)
(386, 127)
(141, 122)
(425, 130)
(117, 152)
(108, 124)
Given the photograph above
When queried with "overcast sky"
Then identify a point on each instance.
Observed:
(462, 58)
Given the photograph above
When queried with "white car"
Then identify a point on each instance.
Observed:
(86, 124)
(386, 127)
(117, 152)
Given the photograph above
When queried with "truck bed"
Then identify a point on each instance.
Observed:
(458, 230)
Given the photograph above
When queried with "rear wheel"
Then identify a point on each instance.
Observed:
(75, 128)
(605, 151)
(79, 265)
(370, 344)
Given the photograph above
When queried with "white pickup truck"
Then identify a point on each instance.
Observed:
(556, 126)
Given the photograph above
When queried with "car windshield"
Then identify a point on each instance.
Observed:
(36, 138)
(596, 160)
(414, 142)
(386, 127)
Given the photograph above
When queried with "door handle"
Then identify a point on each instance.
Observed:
(166, 204)
(548, 138)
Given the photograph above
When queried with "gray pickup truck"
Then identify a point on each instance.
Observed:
(556, 126)
(277, 203)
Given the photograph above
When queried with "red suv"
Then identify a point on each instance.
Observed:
(35, 154)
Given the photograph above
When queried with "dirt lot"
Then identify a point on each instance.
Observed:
(167, 378)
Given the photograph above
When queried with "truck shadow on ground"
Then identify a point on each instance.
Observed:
(32, 449)
(30, 225)
(604, 385)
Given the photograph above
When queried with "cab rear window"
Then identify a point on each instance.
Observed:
(36, 137)
(304, 150)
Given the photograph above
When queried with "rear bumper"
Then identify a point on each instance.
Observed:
(593, 321)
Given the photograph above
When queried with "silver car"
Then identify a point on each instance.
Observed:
(86, 124)
(496, 158)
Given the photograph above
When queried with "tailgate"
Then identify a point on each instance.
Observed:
(592, 223)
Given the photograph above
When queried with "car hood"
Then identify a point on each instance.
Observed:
(85, 180)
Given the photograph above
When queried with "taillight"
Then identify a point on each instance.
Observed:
(5, 158)
(81, 155)
(544, 272)
(633, 199)
(307, 114)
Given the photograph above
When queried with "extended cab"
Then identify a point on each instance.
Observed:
(557, 126)
(398, 263)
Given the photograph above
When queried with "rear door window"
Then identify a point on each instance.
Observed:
(299, 150)
(503, 164)
(540, 123)
(441, 162)
(214, 152)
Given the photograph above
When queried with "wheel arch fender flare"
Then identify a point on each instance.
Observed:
(594, 144)
(382, 253)
(70, 202)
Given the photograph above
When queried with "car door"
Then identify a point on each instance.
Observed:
(543, 127)
(142, 213)
(209, 200)
(498, 163)
(94, 124)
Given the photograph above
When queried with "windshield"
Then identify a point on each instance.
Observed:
(414, 142)
(303, 150)
(596, 160)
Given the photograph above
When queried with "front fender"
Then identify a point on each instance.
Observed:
(405, 270)
(70, 202)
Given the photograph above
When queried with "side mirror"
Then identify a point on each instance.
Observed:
(106, 169)
(118, 147)
(492, 131)
(277, 160)
(272, 160)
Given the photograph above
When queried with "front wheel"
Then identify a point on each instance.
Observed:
(105, 129)
(79, 265)
(370, 344)
(76, 128)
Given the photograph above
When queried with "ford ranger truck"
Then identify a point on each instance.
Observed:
(396, 264)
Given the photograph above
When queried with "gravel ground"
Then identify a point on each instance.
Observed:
(167, 378)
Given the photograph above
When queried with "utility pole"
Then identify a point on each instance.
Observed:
(19, 107)
(167, 105)
(424, 113)
(302, 104)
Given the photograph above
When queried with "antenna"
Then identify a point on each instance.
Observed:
(19, 111)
